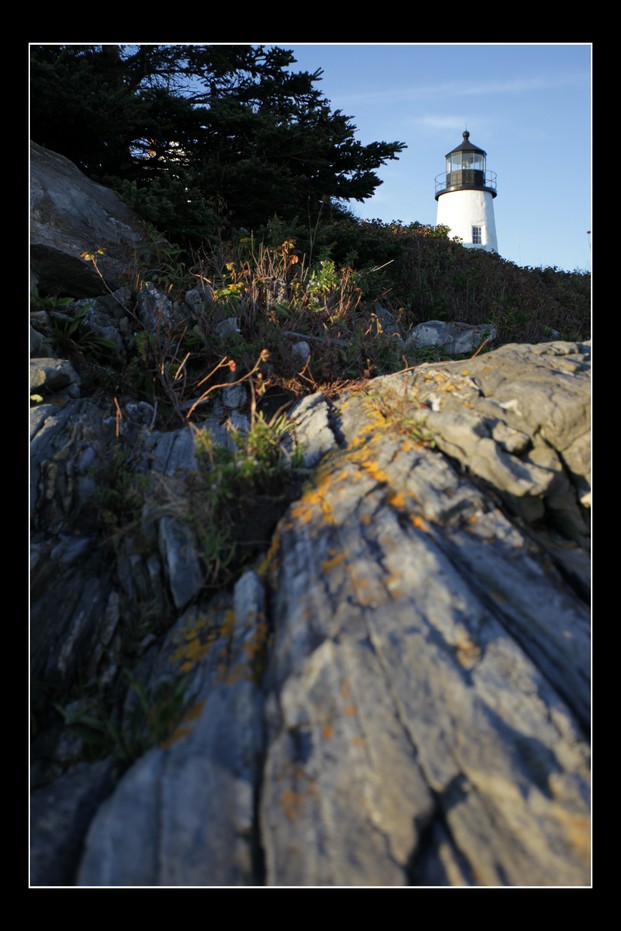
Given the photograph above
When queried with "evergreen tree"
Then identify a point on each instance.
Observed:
(199, 128)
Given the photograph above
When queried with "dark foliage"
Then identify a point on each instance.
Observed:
(225, 136)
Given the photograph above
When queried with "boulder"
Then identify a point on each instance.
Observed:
(300, 353)
(70, 214)
(53, 376)
(451, 338)
(227, 329)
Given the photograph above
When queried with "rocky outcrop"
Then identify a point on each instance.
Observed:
(395, 692)
(69, 215)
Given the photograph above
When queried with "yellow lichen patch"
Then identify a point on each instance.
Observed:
(327, 514)
(194, 712)
(468, 653)
(578, 831)
(194, 648)
(236, 674)
(269, 563)
(366, 520)
(303, 786)
(302, 513)
(184, 727)
(325, 472)
(253, 646)
(291, 803)
(394, 583)
(327, 731)
(314, 499)
(358, 741)
(408, 445)
(375, 422)
(350, 711)
(418, 522)
(365, 590)
(375, 471)
(345, 689)
(334, 559)
(179, 733)
(194, 627)
(397, 500)
(228, 622)
(338, 477)
(226, 636)
(255, 650)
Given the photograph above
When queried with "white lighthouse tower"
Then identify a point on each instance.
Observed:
(465, 194)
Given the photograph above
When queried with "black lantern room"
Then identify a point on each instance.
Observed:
(465, 170)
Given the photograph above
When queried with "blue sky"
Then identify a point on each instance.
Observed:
(528, 106)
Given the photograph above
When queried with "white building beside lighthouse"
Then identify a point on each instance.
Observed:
(465, 194)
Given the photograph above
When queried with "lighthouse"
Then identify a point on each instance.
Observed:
(465, 194)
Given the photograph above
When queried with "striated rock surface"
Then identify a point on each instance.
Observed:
(395, 693)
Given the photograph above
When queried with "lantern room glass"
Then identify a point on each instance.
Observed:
(465, 161)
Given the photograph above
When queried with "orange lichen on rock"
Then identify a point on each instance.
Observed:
(334, 559)
(394, 583)
(397, 500)
(365, 589)
(291, 803)
(255, 649)
(468, 653)
(269, 563)
(185, 725)
(375, 471)
(578, 831)
(197, 639)
(314, 498)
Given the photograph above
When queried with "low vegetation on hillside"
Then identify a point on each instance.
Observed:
(308, 311)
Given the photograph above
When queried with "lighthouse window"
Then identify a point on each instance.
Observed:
(477, 238)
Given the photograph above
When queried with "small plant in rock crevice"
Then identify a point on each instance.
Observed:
(126, 728)
(403, 415)
(234, 498)
(121, 490)
(49, 302)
